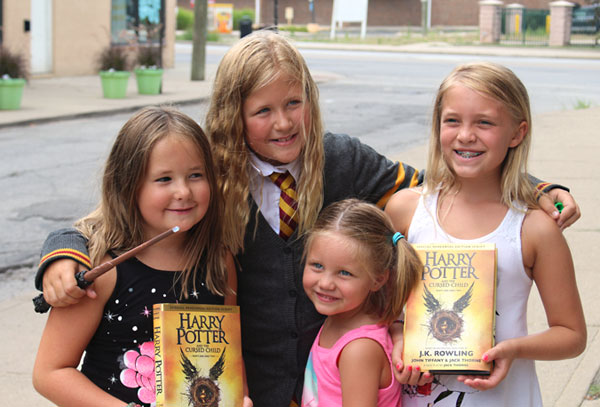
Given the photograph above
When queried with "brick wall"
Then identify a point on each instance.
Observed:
(381, 12)
(454, 12)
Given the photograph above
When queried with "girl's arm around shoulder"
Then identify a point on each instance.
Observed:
(547, 257)
(401, 208)
(67, 333)
(364, 369)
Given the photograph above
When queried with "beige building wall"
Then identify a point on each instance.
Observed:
(80, 31)
(14, 37)
(170, 26)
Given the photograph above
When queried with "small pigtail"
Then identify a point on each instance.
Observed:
(395, 237)
(408, 269)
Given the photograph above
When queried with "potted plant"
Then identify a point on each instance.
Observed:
(13, 74)
(148, 73)
(114, 71)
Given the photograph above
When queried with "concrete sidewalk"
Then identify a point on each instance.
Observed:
(47, 99)
(566, 145)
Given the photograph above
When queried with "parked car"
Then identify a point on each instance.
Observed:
(586, 19)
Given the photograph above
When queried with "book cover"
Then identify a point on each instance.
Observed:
(450, 314)
(198, 355)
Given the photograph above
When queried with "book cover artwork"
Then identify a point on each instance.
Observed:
(450, 314)
(198, 355)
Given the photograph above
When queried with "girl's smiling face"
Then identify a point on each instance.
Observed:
(476, 132)
(174, 190)
(335, 278)
(275, 119)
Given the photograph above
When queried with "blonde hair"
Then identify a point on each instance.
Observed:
(372, 230)
(252, 63)
(501, 84)
(117, 225)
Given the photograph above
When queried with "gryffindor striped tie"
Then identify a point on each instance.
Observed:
(288, 203)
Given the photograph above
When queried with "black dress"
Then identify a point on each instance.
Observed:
(120, 354)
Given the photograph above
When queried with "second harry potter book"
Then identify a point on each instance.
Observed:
(198, 355)
(450, 314)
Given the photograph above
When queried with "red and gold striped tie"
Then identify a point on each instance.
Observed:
(288, 203)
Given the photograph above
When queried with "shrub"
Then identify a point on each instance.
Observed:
(116, 58)
(293, 28)
(185, 18)
(187, 35)
(12, 64)
(213, 37)
(238, 14)
(148, 56)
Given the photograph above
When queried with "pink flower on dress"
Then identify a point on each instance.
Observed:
(140, 371)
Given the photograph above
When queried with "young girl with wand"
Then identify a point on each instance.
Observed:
(476, 191)
(159, 174)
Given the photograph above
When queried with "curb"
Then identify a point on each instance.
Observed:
(98, 113)
(445, 49)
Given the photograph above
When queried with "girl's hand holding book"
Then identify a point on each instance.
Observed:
(500, 355)
(411, 375)
(403, 374)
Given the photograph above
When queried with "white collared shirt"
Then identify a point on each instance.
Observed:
(264, 192)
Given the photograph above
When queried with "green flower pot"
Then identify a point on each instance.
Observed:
(11, 93)
(114, 84)
(148, 81)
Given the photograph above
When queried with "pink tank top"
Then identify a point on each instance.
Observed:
(322, 385)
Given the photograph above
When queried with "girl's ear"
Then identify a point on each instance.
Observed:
(380, 281)
(520, 133)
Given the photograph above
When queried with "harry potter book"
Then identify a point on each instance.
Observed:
(450, 314)
(198, 355)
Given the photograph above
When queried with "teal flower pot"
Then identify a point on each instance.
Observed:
(114, 84)
(149, 81)
(11, 93)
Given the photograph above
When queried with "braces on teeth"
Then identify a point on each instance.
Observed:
(467, 154)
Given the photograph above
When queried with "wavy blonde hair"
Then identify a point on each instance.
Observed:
(252, 63)
(501, 84)
(117, 224)
(372, 230)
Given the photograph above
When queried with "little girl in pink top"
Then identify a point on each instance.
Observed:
(359, 273)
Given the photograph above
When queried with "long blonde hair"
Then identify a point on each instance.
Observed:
(373, 232)
(498, 83)
(117, 224)
(252, 63)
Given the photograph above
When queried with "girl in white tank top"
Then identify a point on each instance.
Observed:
(476, 190)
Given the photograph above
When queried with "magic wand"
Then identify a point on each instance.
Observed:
(86, 277)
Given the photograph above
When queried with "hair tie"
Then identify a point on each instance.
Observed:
(397, 236)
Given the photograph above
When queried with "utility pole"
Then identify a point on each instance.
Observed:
(161, 36)
(275, 13)
(199, 40)
(424, 16)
